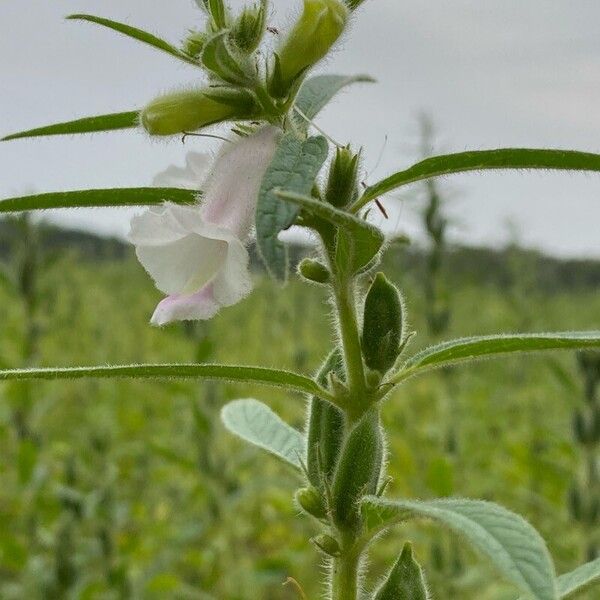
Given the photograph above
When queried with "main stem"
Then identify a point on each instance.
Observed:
(344, 583)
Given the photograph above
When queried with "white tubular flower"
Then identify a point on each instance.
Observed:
(196, 254)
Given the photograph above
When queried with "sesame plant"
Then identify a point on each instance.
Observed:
(276, 169)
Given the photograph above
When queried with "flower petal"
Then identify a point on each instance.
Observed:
(192, 176)
(198, 306)
(233, 282)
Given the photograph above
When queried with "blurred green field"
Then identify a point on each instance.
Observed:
(134, 490)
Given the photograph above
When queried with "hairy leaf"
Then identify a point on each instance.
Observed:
(96, 198)
(257, 424)
(580, 580)
(316, 92)
(363, 241)
(110, 122)
(481, 160)
(294, 168)
(232, 373)
(512, 545)
(136, 34)
(473, 348)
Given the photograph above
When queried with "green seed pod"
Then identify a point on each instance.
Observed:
(342, 184)
(319, 27)
(325, 428)
(327, 544)
(249, 28)
(358, 470)
(311, 501)
(179, 112)
(383, 325)
(405, 581)
(194, 43)
(313, 270)
(575, 503)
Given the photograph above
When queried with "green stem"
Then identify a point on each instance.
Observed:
(348, 323)
(344, 582)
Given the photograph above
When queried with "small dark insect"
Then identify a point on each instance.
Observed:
(273, 30)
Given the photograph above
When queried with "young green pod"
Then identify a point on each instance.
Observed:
(313, 270)
(179, 112)
(312, 502)
(249, 28)
(383, 325)
(319, 27)
(358, 470)
(342, 183)
(405, 581)
(327, 544)
(325, 428)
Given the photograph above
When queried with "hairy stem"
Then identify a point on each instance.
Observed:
(348, 323)
(344, 577)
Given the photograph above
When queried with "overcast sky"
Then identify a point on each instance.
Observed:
(491, 74)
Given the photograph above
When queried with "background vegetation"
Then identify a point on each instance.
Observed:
(108, 488)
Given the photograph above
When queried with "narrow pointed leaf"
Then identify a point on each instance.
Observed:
(580, 580)
(294, 168)
(474, 348)
(109, 122)
(316, 92)
(482, 160)
(136, 34)
(232, 373)
(363, 240)
(96, 198)
(256, 423)
(512, 545)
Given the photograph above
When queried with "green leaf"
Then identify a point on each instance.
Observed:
(482, 160)
(318, 91)
(363, 240)
(294, 168)
(97, 198)
(110, 122)
(136, 34)
(580, 580)
(473, 348)
(232, 373)
(257, 424)
(512, 545)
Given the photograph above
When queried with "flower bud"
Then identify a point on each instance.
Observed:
(321, 24)
(405, 581)
(187, 111)
(194, 43)
(342, 185)
(223, 59)
(249, 28)
(327, 544)
(313, 270)
(382, 325)
(311, 501)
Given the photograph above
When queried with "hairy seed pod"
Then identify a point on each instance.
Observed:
(188, 111)
(319, 27)
(358, 470)
(405, 581)
(312, 502)
(327, 544)
(325, 428)
(382, 325)
(313, 270)
(342, 183)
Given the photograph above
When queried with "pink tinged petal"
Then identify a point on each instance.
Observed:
(233, 282)
(198, 306)
(232, 188)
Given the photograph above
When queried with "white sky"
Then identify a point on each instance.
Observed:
(492, 74)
